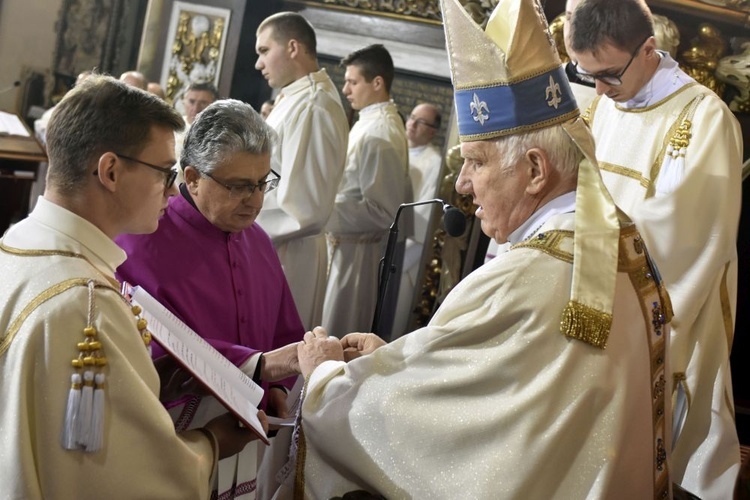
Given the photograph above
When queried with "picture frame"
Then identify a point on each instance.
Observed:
(196, 41)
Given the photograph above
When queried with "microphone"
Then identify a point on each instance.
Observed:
(455, 224)
(15, 84)
(454, 220)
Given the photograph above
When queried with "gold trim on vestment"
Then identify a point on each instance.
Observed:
(656, 309)
(588, 115)
(299, 476)
(43, 297)
(657, 103)
(625, 172)
(586, 324)
(61, 253)
(549, 242)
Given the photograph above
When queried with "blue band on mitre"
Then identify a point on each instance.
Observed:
(490, 111)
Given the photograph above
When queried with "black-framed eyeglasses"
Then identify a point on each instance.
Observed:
(609, 79)
(420, 121)
(247, 188)
(170, 174)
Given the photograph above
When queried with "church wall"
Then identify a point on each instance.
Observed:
(27, 40)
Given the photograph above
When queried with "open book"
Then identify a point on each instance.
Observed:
(10, 124)
(235, 390)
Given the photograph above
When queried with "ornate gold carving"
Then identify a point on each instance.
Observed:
(417, 10)
(420, 9)
(741, 5)
(195, 51)
(702, 58)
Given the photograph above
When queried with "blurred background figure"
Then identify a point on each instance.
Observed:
(134, 79)
(266, 108)
(156, 89)
(424, 170)
(197, 97)
(40, 130)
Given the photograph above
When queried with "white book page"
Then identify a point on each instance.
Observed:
(235, 390)
(10, 124)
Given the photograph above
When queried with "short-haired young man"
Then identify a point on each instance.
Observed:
(670, 152)
(376, 181)
(310, 155)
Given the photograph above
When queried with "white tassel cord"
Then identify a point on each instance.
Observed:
(672, 171)
(97, 418)
(70, 427)
(86, 409)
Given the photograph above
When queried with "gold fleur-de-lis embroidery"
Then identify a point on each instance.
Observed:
(479, 107)
(553, 95)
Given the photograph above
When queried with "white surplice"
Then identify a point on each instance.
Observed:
(313, 132)
(688, 212)
(376, 181)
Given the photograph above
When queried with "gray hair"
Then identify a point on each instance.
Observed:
(224, 128)
(560, 148)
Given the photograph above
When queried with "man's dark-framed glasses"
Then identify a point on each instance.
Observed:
(420, 121)
(247, 188)
(170, 174)
(609, 79)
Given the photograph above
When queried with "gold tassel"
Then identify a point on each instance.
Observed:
(83, 427)
(586, 324)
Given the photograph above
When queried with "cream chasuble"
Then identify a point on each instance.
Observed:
(491, 400)
(45, 301)
(689, 223)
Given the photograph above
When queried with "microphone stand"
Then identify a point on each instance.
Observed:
(388, 268)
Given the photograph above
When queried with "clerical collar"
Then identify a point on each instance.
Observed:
(186, 194)
(305, 82)
(563, 204)
(667, 79)
(374, 107)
